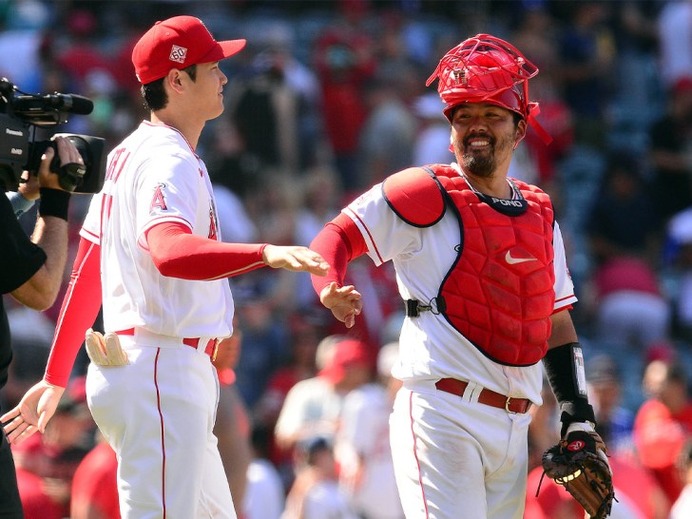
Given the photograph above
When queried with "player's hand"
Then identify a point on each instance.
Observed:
(68, 154)
(33, 412)
(295, 258)
(228, 351)
(345, 302)
(28, 186)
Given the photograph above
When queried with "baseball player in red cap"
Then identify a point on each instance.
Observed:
(480, 264)
(151, 254)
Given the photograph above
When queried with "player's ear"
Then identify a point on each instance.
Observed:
(174, 79)
(520, 132)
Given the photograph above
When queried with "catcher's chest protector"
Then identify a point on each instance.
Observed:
(499, 291)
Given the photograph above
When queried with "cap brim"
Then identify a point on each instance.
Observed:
(231, 47)
(222, 50)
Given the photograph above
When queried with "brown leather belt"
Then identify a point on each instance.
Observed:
(210, 348)
(486, 396)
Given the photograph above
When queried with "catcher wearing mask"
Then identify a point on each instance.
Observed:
(481, 268)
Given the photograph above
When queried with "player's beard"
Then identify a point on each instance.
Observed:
(482, 163)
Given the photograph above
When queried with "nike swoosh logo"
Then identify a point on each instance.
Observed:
(513, 261)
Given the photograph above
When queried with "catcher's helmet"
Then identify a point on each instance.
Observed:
(484, 69)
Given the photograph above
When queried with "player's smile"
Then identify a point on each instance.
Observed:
(478, 143)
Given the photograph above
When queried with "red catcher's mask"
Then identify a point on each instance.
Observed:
(486, 69)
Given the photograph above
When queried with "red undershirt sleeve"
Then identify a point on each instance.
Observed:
(339, 242)
(79, 309)
(175, 251)
(178, 253)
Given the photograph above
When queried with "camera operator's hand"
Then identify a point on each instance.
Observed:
(67, 153)
(28, 186)
(50, 234)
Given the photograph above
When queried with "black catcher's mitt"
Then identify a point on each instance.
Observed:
(580, 464)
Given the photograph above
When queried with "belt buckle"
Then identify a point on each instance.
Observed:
(507, 402)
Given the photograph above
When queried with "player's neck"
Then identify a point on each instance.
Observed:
(495, 185)
(190, 130)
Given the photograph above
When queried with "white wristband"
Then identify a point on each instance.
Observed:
(581, 426)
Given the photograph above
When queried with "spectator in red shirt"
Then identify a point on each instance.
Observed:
(630, 308)
(35, 501)
(664, 423)
(344, 61)
(82, 56)
(94, 487)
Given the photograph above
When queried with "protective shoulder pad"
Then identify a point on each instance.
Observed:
(415, 196)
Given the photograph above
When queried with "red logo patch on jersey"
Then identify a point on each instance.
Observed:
(158, 200)
(576, 445)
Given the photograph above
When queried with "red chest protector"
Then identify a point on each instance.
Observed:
(499, 291)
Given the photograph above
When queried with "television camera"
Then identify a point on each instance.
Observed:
(20, 116)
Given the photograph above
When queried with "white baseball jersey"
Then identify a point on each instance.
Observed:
(452, 455)
(158, 412)
(364, 434)
(325, 499)
(311, 407)
(155, 177)
(429, 347)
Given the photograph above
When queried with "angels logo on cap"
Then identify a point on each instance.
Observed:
(178, 42)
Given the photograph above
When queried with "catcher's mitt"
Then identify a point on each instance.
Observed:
(580, 464)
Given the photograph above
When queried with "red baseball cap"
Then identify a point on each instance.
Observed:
(178, 42)
(347, 352)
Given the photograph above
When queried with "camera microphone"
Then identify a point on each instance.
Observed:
(72, 103)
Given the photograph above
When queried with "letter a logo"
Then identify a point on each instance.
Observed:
(158, 201)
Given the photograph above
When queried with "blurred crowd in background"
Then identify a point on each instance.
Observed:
(329, 98)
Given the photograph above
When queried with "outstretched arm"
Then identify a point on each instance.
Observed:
(339, 242)
(178, 253)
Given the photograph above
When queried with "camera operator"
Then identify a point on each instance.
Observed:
(31, 270)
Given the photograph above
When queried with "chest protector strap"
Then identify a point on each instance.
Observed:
(414, 307)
